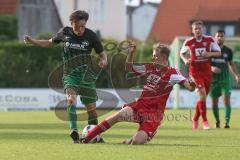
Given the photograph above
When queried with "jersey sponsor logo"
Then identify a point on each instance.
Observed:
(218, 60)
(153, 79)
(80, 46)
(199, 52)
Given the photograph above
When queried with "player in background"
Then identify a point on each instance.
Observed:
(78, 78)
(221, 82)
(148, 110)
(201, 49)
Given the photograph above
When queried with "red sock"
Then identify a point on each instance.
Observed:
(101, 127)
(197, 112)
(203, 110)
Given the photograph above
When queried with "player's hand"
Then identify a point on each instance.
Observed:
(102, 63)
(132, 47)
(237, 78)
(188, 62)
(216, 70)
(28, 39)
(191, 84)
(206, 54)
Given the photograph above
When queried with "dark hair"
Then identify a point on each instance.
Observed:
(162, 49)
(221, 31)
(78, 15)
(197, 23)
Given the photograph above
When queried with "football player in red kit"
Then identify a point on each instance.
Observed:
(201, 49)
(148, 110)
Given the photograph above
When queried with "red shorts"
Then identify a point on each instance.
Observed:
(149, 118)
(202, 81)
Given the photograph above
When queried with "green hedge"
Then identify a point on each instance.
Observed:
(30, 66)
(8, 27)
(26, 66)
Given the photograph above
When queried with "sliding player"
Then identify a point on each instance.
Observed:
(148, 110)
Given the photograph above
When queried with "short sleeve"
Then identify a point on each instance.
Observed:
(97, 45)
(184, 48)
(177, 78)
(141, 69)
(214, 46)
(59, 36)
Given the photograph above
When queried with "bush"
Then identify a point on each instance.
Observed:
(8, 27)
(27, 66)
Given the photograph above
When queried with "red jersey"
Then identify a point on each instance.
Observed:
(158, 84)
(200, 65)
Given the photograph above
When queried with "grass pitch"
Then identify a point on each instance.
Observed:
(42, 136)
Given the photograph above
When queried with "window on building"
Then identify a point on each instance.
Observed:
(204, 29)
(214, 29)
(229, 30)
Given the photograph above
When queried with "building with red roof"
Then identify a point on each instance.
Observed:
(174, 18)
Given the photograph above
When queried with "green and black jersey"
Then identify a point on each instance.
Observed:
(77, 49)
(222, 63)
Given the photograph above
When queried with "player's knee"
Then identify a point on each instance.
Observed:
(91, 111)
(202, 98)
(124, 115)
(92, 114)
(71, 96)
(227, 102)
(115, 118)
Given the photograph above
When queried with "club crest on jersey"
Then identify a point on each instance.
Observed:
(225, 55)
(85, 43)
(67, 44)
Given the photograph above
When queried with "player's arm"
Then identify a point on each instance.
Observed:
(40, 43)
(57, 38)
(183, 53)
(103, 59)
(186, 60)
(215, 50)
(189, 84)
(234, 71)
(98, 47)
(178, 78)
(212, 54)
(129, 60)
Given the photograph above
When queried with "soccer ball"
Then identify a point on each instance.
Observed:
(87, 129)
